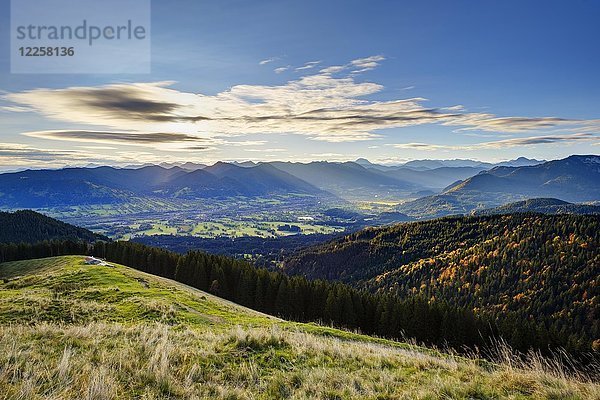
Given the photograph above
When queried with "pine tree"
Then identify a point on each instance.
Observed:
(282, 300)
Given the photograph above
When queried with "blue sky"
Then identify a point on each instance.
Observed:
(428, 79)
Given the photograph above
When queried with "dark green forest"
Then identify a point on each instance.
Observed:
(31, 227)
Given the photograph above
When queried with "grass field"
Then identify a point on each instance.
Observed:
(75, 331)
(208, 218)
(224, 227)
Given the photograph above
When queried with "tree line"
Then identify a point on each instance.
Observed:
(32, 227)
(47, 248)
(299, 299)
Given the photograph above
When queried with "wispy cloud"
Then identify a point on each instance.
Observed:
(424, 146)
(366, 64)
(279, 70)
(14, 151)
(14, 155)
(334, 69)
(356, 66)
(329, 105)
(491, 123)
(274, 150)
(268, 60)
(537, 140)
(506, 143)
(15, 109)
(308, 65)
(108, 136)
(457, 107)
(245, 143)
(97, 147)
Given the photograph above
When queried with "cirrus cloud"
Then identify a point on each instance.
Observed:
(506, 143)
(322, 106)
(132, 138)
(15, 155)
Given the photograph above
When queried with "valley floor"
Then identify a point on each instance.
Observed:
(75, 331)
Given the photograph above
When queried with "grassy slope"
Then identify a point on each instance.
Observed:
(69, 330)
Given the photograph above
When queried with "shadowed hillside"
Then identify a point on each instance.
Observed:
(107, 185)
(544, 206)
(30, 227)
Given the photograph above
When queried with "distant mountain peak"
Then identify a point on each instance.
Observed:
(574, 179)
(363, 161)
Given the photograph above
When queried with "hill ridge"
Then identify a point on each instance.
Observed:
(26, 226)
(158, 347)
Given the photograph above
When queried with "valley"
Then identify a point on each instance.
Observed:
(283, 198)
(208, 218)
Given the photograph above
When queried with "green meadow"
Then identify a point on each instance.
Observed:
(74, 331)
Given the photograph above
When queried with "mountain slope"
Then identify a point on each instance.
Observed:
(140, 180)
(262, 178)
(81, 186)
(435, 178)
(70, 280)
(544, 206)
(348, 180)
(200, 184)
(432, 164)
(573, 179)
(509, 267)
(110, 332)
(47, 188)
(227, 180)
(420, 165)
(108, 185)
(30, 227)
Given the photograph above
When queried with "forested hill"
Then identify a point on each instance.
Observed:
(519, 266)
(544, 206)
(370, 252)
(296, 298)
(30, 227)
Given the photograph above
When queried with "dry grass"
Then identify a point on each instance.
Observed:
(113, 361)
(70, 331)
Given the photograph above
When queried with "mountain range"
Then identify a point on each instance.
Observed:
(108, 185)
(349, 180)
(432, 187)
(426, 164)
(573, 179)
